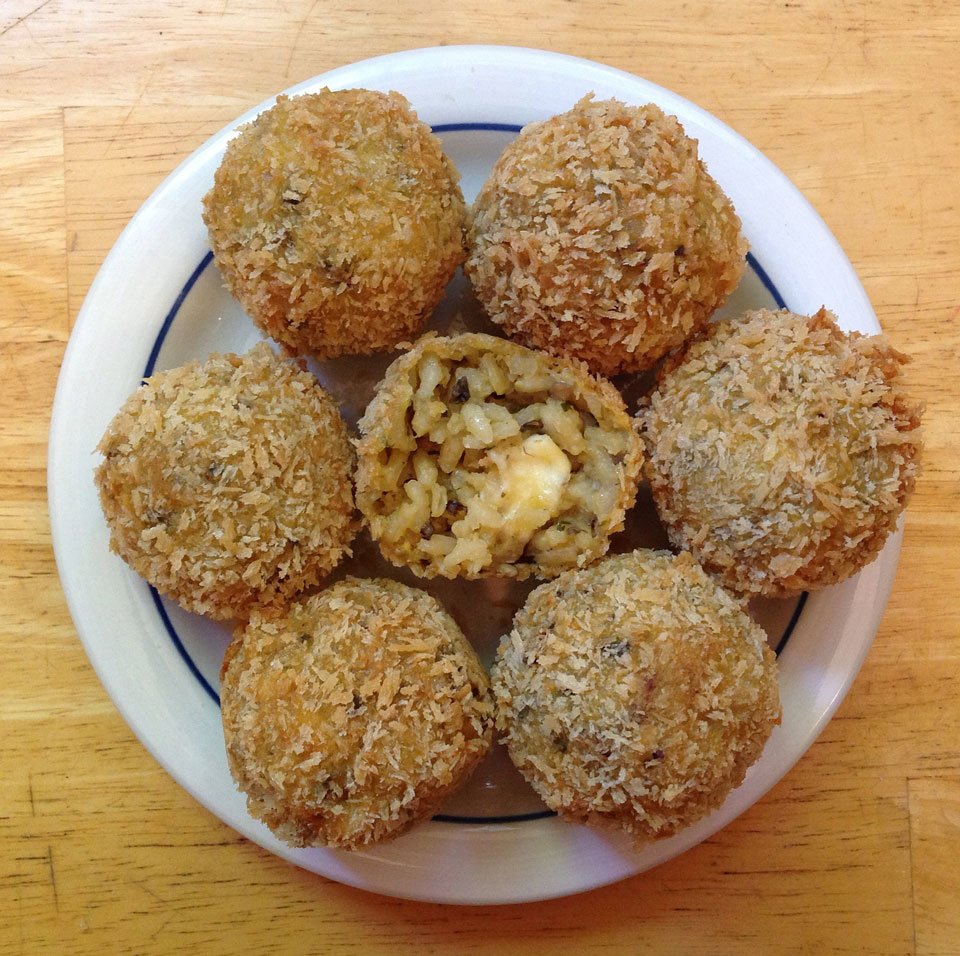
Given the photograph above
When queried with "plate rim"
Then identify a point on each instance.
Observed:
(877, 577)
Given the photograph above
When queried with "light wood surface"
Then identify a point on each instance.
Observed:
(856, 850)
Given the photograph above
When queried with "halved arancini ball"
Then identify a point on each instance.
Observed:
(227, 483)
(635, 694)
(336, 221)
(480, 457)
(601, 236)
(782, 451)
(353, 714)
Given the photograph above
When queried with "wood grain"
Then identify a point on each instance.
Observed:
(856, 850)
(934, 838)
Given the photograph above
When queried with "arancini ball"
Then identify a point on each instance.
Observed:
(480, 457)
(228, 483)
(601, 236)
(354, 714)
(337, 221)
(781, 451)
(635, 694)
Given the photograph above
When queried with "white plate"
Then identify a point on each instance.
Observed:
(158, 301)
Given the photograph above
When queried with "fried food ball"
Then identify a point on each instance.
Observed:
(480, 457)
(601, 236)
(635, 694)
(336, 221)
(781, 451)
(227, 483)
(354, 714)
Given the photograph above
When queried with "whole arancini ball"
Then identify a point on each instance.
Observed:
(635, 693)
(336, 220)
(601, 236)
(781, 451)
(353, 714)
(228, 483)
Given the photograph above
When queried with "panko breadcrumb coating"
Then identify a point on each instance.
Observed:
(635, 694)
(480, 457)
(781, 451)
(354, 714)
(336, 221)
(227, 483)
(601, 236)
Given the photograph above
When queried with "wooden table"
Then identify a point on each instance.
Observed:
(857, 850)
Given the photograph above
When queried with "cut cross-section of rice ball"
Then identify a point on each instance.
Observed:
(480, 457)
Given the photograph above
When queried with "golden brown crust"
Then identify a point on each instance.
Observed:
(336, 221)
(601, 236)
(635, 694)
(354, 714)
(781, 451)
(480, 457)
(227, 483)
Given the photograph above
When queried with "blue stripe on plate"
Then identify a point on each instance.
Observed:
(515, 818)
(766, 280)
(172, 314)
(175, 637)
(476, 127)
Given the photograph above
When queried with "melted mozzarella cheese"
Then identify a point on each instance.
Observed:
(532, 478)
